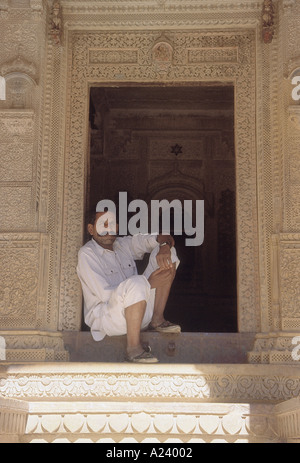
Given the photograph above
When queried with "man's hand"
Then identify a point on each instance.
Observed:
(163, 257)
(161, 277)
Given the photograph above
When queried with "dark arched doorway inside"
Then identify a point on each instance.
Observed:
(175, 143)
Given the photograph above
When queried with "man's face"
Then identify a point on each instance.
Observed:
(105, 240)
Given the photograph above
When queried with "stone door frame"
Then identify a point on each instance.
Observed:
(152, 57)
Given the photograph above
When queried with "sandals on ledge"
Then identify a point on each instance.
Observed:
(165, 327)
(144, 357)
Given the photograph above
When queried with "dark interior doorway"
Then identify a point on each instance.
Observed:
(170, 142)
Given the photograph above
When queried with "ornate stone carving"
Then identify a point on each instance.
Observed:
(34, 346)
(162, 55)
(23, 259)
(288, 418)
(274, 347)
(268, 21)
(20, 76)
(13, 419)
(215, 423)
(289, 268)
(196, 56)
(87, 412)
(56, 22)
(37, 7)
(13, 123)
(238, 382)
(19, 65)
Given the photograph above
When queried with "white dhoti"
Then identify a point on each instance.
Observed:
(132, 290)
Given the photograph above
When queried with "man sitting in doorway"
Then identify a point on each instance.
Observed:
(118, 301)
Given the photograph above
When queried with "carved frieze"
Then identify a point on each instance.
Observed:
(237, 383)
(20, 123)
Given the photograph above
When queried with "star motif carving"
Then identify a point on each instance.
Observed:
(176, 149)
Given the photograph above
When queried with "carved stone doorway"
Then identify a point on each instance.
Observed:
(175, 142)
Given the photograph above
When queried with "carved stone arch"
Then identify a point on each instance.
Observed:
(176, 186)
(180, 186)
(19, 90)
(20, 78)
(295, 72)
(293, 68)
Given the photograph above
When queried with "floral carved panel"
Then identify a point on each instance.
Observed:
(23, 283)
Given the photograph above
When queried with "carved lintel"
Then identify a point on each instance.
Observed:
(16, 122)
(268, 21)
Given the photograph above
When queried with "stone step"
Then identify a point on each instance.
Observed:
(119, 402)
(169, 348)
(150, 422)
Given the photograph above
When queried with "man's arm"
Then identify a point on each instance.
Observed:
(141, 244)
(95, 288)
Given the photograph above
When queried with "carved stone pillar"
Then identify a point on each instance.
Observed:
(280, 340)
(25, 241)
(280, 344)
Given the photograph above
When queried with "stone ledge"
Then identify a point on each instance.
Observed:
(151, 422)
(160, 382)
(120, 402)
(34, 346)
(169, 348)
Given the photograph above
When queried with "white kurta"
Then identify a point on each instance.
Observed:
(110, 282)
